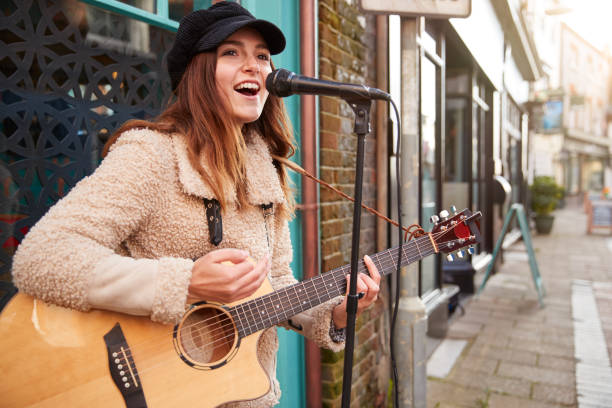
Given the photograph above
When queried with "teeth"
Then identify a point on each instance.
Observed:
(248, 85)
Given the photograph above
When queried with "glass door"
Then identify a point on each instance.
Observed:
(430, 101)
(457, 142)
(512, 129)
(482, 158)
(429, 182)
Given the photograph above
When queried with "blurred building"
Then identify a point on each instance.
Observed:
(464, 86)
(572, 137)
(471, 94)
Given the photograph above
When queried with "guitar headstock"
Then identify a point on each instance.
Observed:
(452, 232)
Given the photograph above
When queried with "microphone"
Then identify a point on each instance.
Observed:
(281, 83)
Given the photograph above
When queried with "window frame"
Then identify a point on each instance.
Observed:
(159, 18)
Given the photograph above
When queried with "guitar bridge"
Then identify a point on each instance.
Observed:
(122, 368)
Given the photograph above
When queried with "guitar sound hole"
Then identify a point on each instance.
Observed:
(206, 335)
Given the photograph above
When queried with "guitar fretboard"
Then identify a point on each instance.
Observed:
(279, 306)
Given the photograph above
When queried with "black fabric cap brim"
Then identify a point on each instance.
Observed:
(273, 37)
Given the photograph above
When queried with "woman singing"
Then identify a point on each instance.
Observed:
(181, 204)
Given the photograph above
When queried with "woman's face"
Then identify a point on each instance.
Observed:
(243, 64)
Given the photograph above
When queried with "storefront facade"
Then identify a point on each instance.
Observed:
(71, 72)
(463, 84)
(473, 124)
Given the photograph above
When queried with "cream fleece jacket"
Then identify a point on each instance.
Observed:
(125, 238)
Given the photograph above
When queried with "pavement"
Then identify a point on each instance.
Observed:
(504, 350)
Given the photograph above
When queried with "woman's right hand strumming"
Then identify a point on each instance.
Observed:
(226, 275)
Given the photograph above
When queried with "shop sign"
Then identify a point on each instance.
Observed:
(552, 116)
(424, 8)
(576, 100)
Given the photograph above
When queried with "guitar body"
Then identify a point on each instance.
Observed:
(57, 357)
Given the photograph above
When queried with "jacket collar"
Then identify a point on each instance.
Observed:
(263, 184)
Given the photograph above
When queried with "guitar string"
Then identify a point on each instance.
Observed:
(146, 367)
(215, 342)
(223, 327)
(317, 286)
(247, 307)
(361, 268)
(318, 281)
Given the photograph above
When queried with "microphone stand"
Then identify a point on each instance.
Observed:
(361, 106)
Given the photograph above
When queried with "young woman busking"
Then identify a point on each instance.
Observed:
(180, 205)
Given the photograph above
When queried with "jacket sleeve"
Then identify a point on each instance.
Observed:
(315, 323)
(70, 257)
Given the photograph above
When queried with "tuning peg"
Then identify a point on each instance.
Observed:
(460, 254)
(444, 214)
(471, 250)
(453, 209)
(434, 219)
(450, 257)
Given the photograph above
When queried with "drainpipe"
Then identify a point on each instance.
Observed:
(310, 222)
(382, 114)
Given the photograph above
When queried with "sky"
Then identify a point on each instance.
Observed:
(592, 20)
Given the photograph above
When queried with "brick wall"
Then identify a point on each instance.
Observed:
(347, 54)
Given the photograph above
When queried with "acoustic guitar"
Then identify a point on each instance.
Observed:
(57, 357)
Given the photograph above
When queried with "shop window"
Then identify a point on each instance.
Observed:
(593, 174)
(177, 9)
(477, 128)
(431, 63)
(574, 56)
(574, 174)
(481, 157)
(457, 140)
(429, 183)
(457, 82)
(456, 174)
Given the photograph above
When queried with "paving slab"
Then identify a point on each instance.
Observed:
(553, 393)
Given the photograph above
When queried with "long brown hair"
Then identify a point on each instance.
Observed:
(197, 114)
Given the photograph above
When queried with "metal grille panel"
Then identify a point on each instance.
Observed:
(70, 74)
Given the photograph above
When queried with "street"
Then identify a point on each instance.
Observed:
(514, 353)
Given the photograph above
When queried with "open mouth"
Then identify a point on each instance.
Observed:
(247, 88)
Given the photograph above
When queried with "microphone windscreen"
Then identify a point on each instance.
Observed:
(278, 82)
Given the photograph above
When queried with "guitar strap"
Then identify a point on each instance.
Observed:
(215, 221)
(415, 230)
(268, 210)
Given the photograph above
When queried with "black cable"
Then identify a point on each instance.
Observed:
(399, 258)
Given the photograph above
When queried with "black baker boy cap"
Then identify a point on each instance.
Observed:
(204, 30)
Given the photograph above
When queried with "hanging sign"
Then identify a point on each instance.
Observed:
(424, 8)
